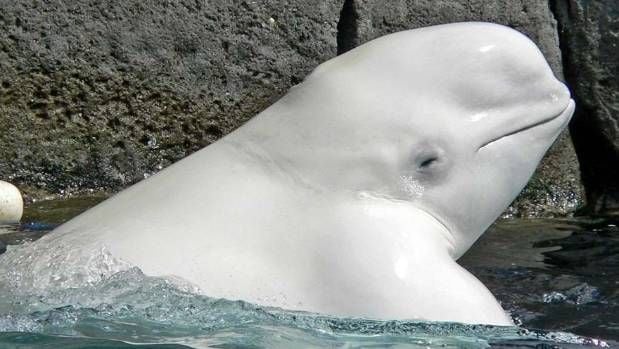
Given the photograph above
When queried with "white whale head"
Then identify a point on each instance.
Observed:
(344, 196)
(453, 118)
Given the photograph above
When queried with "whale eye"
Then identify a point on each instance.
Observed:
(427, 162)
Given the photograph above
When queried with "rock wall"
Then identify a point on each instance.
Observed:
(100, 95)
(590, 44)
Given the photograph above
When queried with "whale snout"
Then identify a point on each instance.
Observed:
(548, 105)
(559, 96)
(545, 106)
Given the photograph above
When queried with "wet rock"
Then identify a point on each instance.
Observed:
(555, 188)
(2, 247)
(590, 47)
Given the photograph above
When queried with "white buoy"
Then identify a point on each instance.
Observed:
(11, 203)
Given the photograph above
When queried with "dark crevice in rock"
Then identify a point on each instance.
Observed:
(597, 155)
(347, 27)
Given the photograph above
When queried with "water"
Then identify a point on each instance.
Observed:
(559, 279)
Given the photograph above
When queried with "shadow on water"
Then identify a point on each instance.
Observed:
(42, 216)
(554, 276)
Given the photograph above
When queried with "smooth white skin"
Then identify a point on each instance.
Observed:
(11, 203)
(356, 192)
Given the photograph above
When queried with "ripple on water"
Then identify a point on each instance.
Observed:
(131, 307)
(97, 301)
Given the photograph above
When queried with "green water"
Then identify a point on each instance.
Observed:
(19, 340)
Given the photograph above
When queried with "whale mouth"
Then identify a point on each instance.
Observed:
(567, 111)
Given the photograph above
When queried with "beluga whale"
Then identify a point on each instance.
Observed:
(354, 194)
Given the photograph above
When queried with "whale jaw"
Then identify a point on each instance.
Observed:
(554, 122)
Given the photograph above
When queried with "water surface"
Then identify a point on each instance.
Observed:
(559, 279)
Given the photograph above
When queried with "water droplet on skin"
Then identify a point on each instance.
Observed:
(412, 186)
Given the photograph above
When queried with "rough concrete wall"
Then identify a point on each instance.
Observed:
(555, 188)
(590, 45)
(99, 95)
